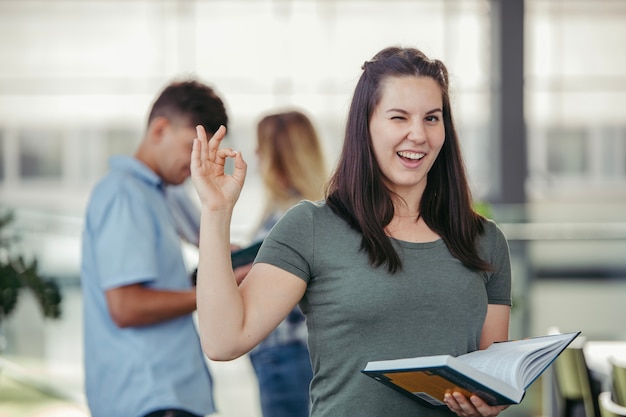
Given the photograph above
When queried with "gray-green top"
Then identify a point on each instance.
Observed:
(356, 313)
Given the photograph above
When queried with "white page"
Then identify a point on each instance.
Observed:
(502, 360)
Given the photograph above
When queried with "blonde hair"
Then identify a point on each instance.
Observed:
(291, 161)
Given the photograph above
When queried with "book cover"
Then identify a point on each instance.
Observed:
(499, 374)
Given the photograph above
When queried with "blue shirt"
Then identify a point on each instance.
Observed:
(129, 237)
(184, 212)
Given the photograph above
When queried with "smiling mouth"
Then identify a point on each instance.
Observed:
(414, 156)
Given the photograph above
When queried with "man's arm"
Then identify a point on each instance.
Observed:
(135, 305)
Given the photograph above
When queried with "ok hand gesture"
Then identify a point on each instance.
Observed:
(217, 191)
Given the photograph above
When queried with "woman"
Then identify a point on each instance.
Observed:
(394, 263)
(291, 164)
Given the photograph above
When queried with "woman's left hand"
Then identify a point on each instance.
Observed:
(471, 407)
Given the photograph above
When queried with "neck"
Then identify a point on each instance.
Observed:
(407, 214)
(404, 210)
(412, 229)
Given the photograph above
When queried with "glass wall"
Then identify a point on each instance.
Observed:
(80, 76)
(575, 95)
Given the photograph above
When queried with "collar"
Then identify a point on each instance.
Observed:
(125, 163)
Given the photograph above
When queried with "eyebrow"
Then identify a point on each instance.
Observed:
(437, 110)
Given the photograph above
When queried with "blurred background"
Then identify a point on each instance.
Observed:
(539, 94)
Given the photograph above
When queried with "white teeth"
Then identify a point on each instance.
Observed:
(411, 155)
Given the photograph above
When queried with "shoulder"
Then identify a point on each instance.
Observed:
(116, 196)
(307, 219)
(493, 242)
(492, 231)
(316, 213)
(115, 186)
(310, 209)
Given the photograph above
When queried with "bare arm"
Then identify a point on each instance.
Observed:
(241, 272)
(496, 326)
(234, 322)
(136, 305)
(232, 319)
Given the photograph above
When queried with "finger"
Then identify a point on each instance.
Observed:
(478, 402)
(241, 167)
(485, 409)
(222, 154)
(214, 142)
(452, 403)
(202, 137)
(482, 407)
(201, 133)
(239, 173)
(196, 161)
(465, 406)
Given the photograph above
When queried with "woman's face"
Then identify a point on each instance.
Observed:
(407, 131)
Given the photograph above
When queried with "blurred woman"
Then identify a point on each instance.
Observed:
(292, 168)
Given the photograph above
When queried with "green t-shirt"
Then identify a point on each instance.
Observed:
(357, 313)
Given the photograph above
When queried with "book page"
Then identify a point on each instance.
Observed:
(503, 360)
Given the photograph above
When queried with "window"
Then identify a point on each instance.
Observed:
(39, 154)
(567, 152)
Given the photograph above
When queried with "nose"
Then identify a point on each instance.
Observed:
(417, 132)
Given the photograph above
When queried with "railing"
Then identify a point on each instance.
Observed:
(547, 257)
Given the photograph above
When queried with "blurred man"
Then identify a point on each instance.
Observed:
(142, 351)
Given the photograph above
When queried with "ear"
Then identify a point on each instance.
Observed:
(157, 128)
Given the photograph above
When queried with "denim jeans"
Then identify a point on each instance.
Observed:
(284, 374)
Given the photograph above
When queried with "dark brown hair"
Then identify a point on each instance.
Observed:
(357, 193)
(192, 102)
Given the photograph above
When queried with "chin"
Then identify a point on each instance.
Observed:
(173, 181)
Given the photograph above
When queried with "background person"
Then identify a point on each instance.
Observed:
(394, 263)
(184, 212)
(292, 168)
(142, 351)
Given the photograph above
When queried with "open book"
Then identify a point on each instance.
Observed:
(499, 374)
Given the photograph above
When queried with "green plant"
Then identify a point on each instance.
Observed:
(483, 208)
(16, 274)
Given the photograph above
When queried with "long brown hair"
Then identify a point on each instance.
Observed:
(291, 160)
(357, 193)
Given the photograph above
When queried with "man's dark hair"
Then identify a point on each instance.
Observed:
(193, 102)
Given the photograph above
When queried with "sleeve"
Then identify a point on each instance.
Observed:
(125, 242)
(184, 212)
(289, 245)
(499, 279)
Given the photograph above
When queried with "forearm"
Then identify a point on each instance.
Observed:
(136, 305)
(220, 305)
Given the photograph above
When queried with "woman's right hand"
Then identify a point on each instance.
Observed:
(216, 190)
